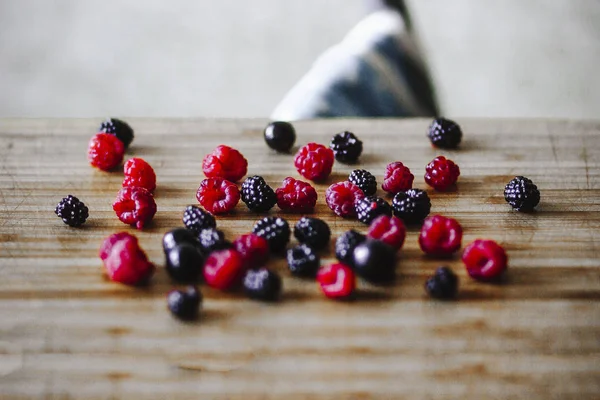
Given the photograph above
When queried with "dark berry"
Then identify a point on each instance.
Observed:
(314, 161)
(280, 136)
(276, 230)
(341, 198)
(224, 269)
(262, 284)
(257, 195)
(72, 211)
(312, 231)
(296, 196)
(346, 147)
(184, 262)
(185, 304)
(443, 284)
(371, 207)
(195, 219)
(444, 133)
(337, 281)
(397, 178)
(217, 195)
(178, 236)
(485, 260)
(226, 163)
(522, 194)
(441, 173)
(303, 261)
(440, 236)
(124, 260)
(390, 230)
(375, 261)
(139, 173)
(105, 151)
(345, 245)
(118, 128)
(411, 206)
(135, 206)
(364, 180)
(212, 239)
(253, 248)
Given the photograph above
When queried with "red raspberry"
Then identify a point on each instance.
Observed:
(124, 260)
(397, 178)
(441, 173)
(135, 206)
(225, 162)
(485, 260)
(440, 236)
(139, 173)
(105, 151)
(217, 195)
(296, 196)
(341, 197)
(337, 281)
(223, 269)
(314, 161)
(390, 230)
(253, 248)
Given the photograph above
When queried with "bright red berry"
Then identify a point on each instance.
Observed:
(337, 281)
(397, 178)
(485, 260)
(253, 248)
(440, 236)
(218, 195)
(314, 161)
(441, 173)
(135, 206)
(139, 173)
(342, 197)
(390, 230)
(225, 162)
(296, 196)
(105, 151)
(223, 269)
(124, 260)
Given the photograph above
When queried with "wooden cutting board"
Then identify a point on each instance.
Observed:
(67, 332)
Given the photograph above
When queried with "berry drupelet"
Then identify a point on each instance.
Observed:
(262, 284)
(280, 136)
(118, 128)
(195, 219)
(303, 261)
(346, 147)
(371, 207)
(275, 230)
(444, 133)
(72, 211)
(257, 194)
(185, 304)
(411, 206)
(312, 231)
(443, 284)
(364, 180)
(522, 194)
(345, 245)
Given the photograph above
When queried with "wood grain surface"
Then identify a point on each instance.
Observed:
(66, 332)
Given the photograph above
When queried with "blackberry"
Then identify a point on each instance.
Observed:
(411, 206)
(443, 285)
(345, 245)
(119, 128)
(185, 304)
(303, 261)
(364, 180)
(276, 230)
(72, 211)
(312, 231)
(371, 207)
(374, 261)
(185, 262)
(280, 136)
(444, 133)
(178, 236)
(522, 194)
(212, 239)
(258, 196)
(262, 284)
(346, 147)
(196, 219)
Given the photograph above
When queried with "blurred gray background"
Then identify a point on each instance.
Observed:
(234, 58)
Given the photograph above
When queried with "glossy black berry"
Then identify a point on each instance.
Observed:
(119, 128)
(444, 133)
(313, 231)
(178, 236)
(443, 284)
(258, 196)
(212, 239)
(185, 304)
(411, 206)
(196, 219)
(346, 147)
(345, 245)
(72, 211)
(280, 136)
(262, 284)
(184, 262)
(364, 180)
(276, 230)
(303, 261)
(522, 194)
(370, 207)
(374, 261)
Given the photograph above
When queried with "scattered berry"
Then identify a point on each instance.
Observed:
(522, 194)
(226, 163)
(345, 245)
(184, 262)
(195, 219)
(342, 198)
(218, 195)
(135, 206)
(371, 207)
(443, 285)
(390, 230)
(337, 281)
(118, 128)
(296, 196)
(303, 261)
(72, 211)
(280, 136)
(397, 178)
(124, 260)
(411, 206)
(262, 284)
(258, 196)
(314, 161)
(346, 147)
(185, 304)
(440, 236)
(444, 133)
(253, 248)
(276, 230)
(441, 173)
(178, 236)
(485, 260)
(139, 173)
(313, 231)
(223, 269)
(105, 151)
(375, 261)
(212, 239)
(364, 180)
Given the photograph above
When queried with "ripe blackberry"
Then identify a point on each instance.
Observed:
(258, 196)
(411, 206)
(371, 207)
(444, 133)
(312, 231)
(185, 304)
(280, 136)
(303, 261)
(212, 239)
(364, 180)
(345, 245)
(443, 285)
(276, 230)
(72, 211)
(346, 147)
(196, 219)
(118, 128)
(262, 284)
(522, 194)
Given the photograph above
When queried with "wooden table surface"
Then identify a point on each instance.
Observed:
(67, 332)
